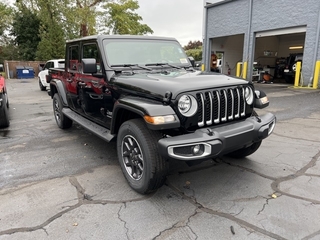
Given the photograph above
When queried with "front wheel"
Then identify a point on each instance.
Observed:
(42, 88)
(243, 152)
(62, 121)
(141, 164)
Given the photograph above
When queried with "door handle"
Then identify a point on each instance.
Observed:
(69, 80)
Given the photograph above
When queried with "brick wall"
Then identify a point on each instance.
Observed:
(13, 64)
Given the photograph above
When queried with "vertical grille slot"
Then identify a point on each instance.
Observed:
(230, 104)
(216, 107)
(243, 103)
(219, 106)
(224, 105)
(201, 109)
(236, 103)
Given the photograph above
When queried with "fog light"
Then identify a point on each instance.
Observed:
(196, 149)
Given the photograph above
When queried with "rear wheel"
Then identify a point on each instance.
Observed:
(289, 79)
(141, 164)
(4, 112)
(243, 152)
(62, 121)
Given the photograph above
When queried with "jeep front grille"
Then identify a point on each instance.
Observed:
(220, 106)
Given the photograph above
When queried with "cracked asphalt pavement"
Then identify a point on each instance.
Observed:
(67, 184)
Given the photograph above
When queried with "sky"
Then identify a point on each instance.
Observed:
(181, 19)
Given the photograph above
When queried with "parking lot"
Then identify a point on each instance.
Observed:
(57, 184)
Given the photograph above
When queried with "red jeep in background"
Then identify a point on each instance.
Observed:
(4, 104)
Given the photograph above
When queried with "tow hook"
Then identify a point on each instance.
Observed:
(258, 119)
(210, 132)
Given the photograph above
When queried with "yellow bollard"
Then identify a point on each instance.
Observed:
(244, 70)
(297, 76)
(316, 75)
(202, 67)
(238, 72)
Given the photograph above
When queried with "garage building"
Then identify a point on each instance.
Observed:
(263, 34)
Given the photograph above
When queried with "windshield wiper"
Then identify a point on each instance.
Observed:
(162, 64)
(131, 65)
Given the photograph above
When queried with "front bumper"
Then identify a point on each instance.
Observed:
(212, 142)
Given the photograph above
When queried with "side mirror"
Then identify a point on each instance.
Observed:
(191, 59)
(261, 100)
(89, 65)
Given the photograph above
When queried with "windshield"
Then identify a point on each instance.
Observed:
(142, 52)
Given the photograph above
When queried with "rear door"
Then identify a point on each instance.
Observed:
(72, 74)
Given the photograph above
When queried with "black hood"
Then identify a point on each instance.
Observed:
(156, 85)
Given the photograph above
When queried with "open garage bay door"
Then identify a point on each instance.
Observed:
(276, 54)
(301, 29)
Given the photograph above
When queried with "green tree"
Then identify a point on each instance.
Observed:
(40, 27)
(193, 45)
(195, 53)
(6, 17)
(81, 20)
(51, 30)
(8, 50)
(25, 29)
(123, 20)
(52, 44)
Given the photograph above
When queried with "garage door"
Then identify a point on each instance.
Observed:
(283, 31)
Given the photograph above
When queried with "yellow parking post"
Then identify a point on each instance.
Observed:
(297, 76)
(244, 70)
(316, 75)
(238, 72)
(202, 67)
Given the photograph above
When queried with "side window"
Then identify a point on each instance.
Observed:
(90, 50)
(73, 57)
(46, 66)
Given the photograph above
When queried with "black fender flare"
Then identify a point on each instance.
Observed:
(60, 88)
(143, 107)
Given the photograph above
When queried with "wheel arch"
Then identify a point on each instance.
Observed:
(123, 113)
(130, 107)
(56, 86)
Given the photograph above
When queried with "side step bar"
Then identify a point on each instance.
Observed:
(98, 130)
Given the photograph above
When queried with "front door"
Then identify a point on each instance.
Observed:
(94, 97)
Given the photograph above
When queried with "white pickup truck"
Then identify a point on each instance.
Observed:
(54, 63)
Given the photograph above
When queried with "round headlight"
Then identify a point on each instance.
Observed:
(187, 105)
(249, 95)
(184, 104)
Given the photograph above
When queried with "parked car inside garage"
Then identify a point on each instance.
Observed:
(291, 65)
(54, 63)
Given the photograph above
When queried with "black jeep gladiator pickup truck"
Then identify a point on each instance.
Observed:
(144, 92)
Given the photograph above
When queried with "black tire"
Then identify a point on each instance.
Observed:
(243, 152)
(42, 88)
(141, 164)
(4, 112)
(289, 79)
(62, 121)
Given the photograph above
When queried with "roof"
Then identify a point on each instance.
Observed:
(209, 5)
(102, 36)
